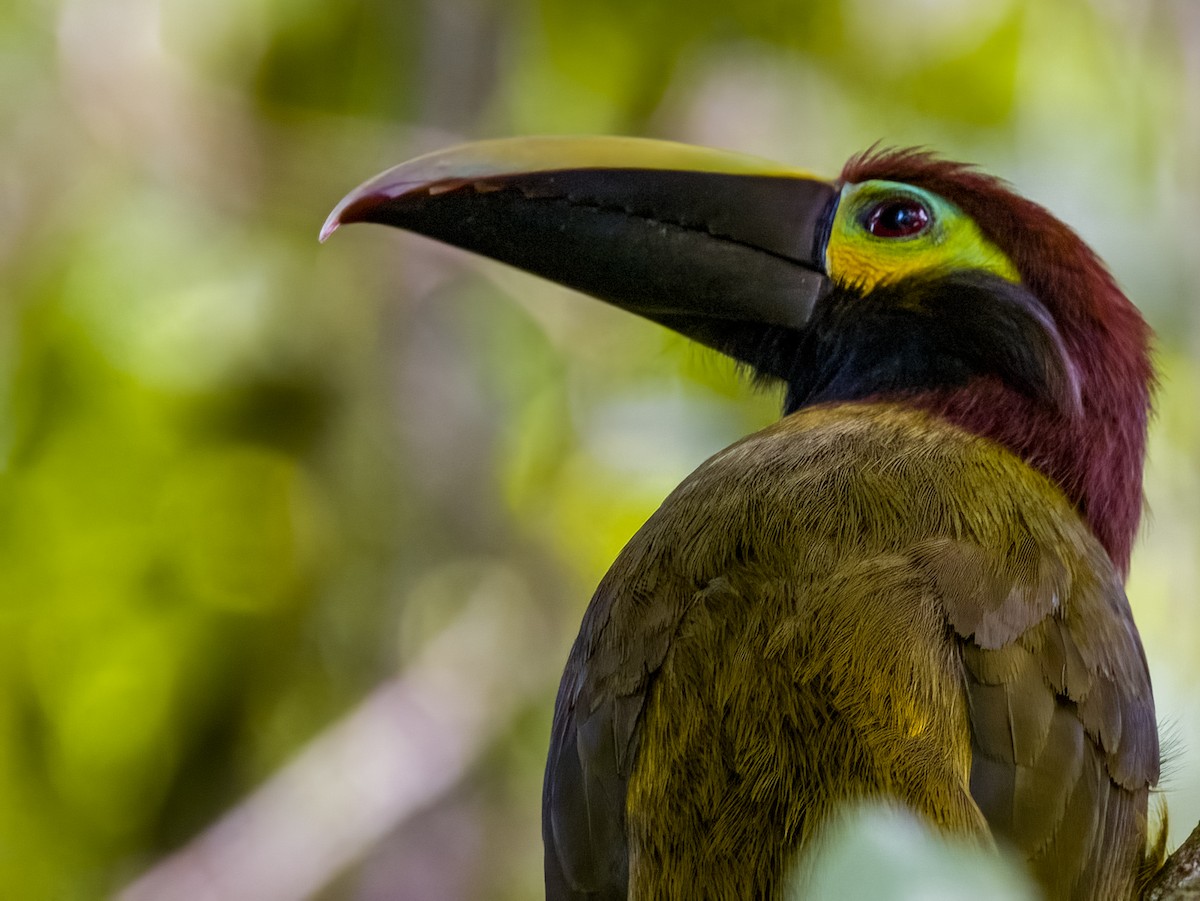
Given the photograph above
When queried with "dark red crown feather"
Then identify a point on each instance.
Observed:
(1097, 456)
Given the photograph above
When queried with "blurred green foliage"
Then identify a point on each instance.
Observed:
(888, 855)
(244, 480)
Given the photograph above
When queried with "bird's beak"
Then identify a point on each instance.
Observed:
(692, 238)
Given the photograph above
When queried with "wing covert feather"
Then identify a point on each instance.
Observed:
(1061, 708)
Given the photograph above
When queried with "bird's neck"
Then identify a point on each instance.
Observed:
(1096, 458)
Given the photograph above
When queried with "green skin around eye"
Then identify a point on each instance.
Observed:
(854, 257)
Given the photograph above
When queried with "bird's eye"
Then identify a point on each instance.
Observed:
(898, 218)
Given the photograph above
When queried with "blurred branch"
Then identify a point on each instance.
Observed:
(1179, 879)
(409, 742)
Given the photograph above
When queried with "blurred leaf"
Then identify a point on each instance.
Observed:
(889, 855)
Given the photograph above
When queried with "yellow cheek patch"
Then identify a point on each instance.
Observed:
(865, 268)
(951, 241)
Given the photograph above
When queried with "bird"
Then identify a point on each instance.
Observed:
(910, 588)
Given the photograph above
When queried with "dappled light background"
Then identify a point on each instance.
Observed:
(294, 538)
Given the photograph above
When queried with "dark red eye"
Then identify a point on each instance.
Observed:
(901, 218)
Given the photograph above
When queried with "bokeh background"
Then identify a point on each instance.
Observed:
(294, 538)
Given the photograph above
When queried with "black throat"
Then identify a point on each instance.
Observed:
(916, 335)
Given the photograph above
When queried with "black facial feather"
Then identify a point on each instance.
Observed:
(937, 330)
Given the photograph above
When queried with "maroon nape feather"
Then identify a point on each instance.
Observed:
(1096, 458)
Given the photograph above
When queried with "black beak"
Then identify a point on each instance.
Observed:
(695, 239)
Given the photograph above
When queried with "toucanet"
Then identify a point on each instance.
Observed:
(908, 589)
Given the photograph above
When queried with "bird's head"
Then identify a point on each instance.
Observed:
(908, 279)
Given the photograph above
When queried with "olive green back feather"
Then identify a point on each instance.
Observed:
(860, 601)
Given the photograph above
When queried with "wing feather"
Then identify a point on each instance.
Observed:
(1062, 715)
